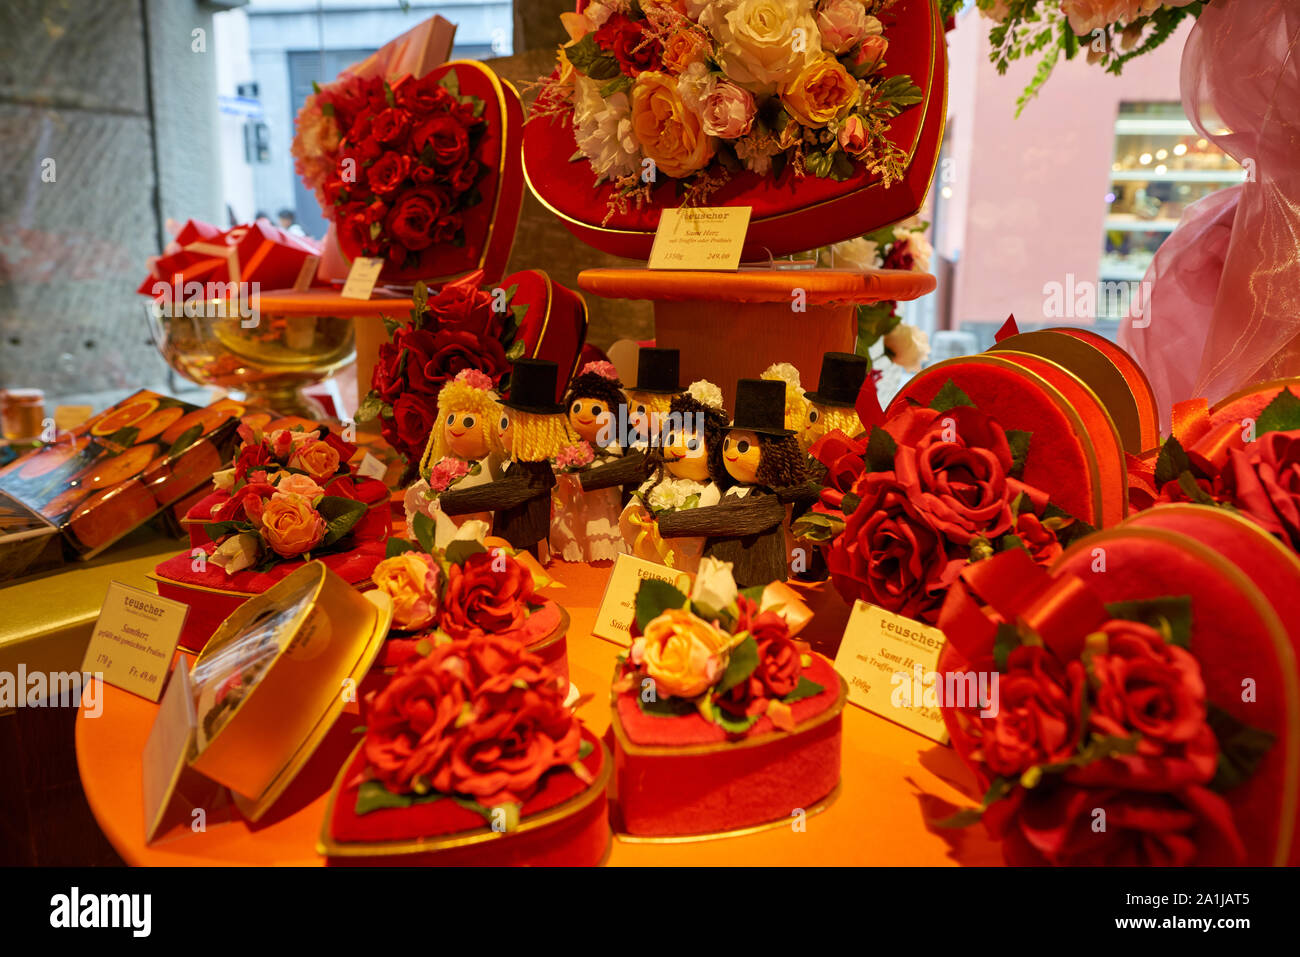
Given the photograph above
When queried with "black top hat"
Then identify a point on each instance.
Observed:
(760, 407)
(532, 387)
(657, 371)
(841, 379)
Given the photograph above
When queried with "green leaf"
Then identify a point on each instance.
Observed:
(950, 397)
(187, 438)
(818, 163)
(590, 60)
(422, 525)
(744, 659)
(1280, 415)
(370, 407)
(1170, 615)
(881, 449)
(458, 551)
(653, 597)
(842, 167)
(734, 725)
(516, 350)
(340, 515)
(1187, 482)
(391, 325)
(585, 749)
(389, 98)
(804, 689)
(219, 530)
(1241, 748)
(451, 83)
(1019, 442)
(1171, 462)
(620, 84)
(398, 546)
(1007, 640)
(373, 796)
(998, 789)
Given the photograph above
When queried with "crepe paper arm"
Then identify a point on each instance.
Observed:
(732, 519)
(513, 489)
(803, 492)
(630, 469)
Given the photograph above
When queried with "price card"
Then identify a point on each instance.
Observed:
(891, 664)
(371, 467)
(362, 277)
(700, 237)
(134, 639)
(618, 606)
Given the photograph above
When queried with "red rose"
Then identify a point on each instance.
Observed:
(420, 348)
(414, 216)
(408, 430)
(843, 458)
(890, 552)
(1059, 826)
(1038, 712)
(456, 350)
(391, 126)
(960, 464)
(423, 95)
(635, 49)
(388, 172)
(246, 504)
(446, 137)
(1145, 685)
(423, 175)
(448, 228)
(488, 595)
(463, 178)
(1263, 480)
(356, 220)
(1040, 541)
(463, 306)
(251, 455)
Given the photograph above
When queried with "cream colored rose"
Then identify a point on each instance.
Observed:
(907, 346)
(856, 253)
(822, 91)
(669, 133)
(761, 43)
(236, 553)
(715, 586)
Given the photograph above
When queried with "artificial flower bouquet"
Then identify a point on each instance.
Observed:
(474, 588)
(416, 169)
(722, 718)
(460, 327)
(1141, 714)
(472, 755)
(715, 102)
(928, 492)
(290, 497)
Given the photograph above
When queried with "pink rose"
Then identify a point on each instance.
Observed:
(728, 111)
(853, 136)
(446, 473)
(842, 24)
(867, 57)
(295, 484)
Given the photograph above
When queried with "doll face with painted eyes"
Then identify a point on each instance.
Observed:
(813, 426)
(503, 430)
(741, 454)
(641, 415)
(588, 416)
(466, 434)
(685, 452)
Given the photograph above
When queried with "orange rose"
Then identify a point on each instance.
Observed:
(411, 580)
(684, 47)
(669, 133)
(685, 655)
(318, 459)
(820, 92)
(291, 526)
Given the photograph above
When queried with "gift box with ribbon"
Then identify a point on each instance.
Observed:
(256, 252)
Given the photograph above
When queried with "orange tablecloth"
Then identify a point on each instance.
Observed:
(892, 779)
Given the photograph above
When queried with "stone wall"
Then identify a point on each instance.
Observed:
(108, 116)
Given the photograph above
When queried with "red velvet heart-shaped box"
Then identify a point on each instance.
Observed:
(554, 323)
(789, 213)
(683, 776)
(487, 225)
(565, 824)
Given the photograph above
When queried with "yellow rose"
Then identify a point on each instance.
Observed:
(411, 580)
(684, 655)
(291, 526)
(669, 133)
(762, 42)
(820, 92)
(318, 459)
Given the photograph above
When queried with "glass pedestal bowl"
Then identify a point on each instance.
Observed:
(266, 357)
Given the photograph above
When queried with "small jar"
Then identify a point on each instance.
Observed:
(21, 413)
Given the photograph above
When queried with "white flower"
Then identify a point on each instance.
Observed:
(756, 153)
(236, 553)
(715, 587)
(706, 393)
(224, 480)
(920, 247)
(907, 346)
(671, 494)
(603, 130)
(763, 42)
(597, 13)
(784, 371)
(858, 253)
(695, 85)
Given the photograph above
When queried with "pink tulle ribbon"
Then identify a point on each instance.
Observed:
(1221, 308)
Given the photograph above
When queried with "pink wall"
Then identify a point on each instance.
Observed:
(1028, 201)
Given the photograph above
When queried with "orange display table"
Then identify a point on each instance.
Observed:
(892, 779)
(733, 325)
